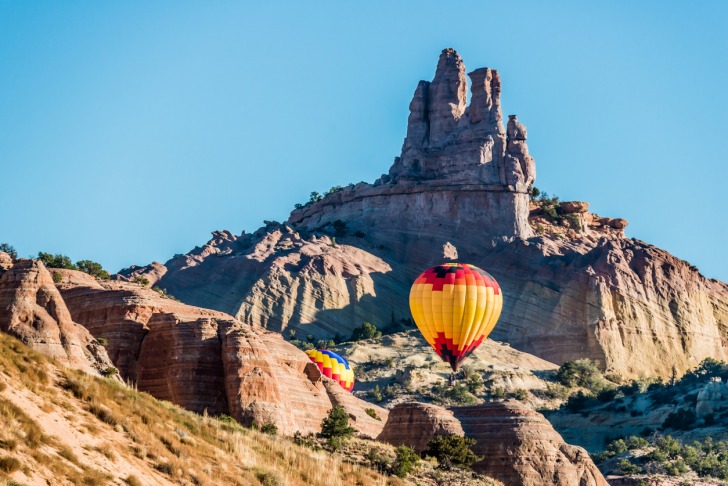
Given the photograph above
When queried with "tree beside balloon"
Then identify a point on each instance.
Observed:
(455, 307)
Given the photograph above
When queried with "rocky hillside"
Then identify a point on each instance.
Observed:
(202, 360)
(400, 367)
(574, 285)
(65, 427)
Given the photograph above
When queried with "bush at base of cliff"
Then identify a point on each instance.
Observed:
(452, 450)
(405, 462)
(365, 331)
(335, 427)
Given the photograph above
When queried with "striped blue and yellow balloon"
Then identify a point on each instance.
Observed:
(333, 366)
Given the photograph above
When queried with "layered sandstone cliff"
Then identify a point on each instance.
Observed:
(576, 288)
(206, 360)
(518, 445)
(31, 309)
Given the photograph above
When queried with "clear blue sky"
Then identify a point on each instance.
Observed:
(130, 130)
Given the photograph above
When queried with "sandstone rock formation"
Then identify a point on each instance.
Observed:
(711, 398)
(207, 360)
(518, 445)
(463, 179)
(31, 309)
(415, 424)
(5, 261)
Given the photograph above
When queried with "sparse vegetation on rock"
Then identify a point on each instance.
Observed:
(452, 450)
(366, 331)
(335, 427)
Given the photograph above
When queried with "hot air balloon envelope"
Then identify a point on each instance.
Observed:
(455, 307)
(333, 366)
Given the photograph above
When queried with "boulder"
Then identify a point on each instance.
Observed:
(518, 445)
(415, 424)
(570, 207)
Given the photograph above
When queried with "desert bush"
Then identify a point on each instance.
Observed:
(520, 394)
(366, 331)
(579, 401)
(92, 268)
(269, 428)
(9, 464)
(6, 248)
(102, 341)
(405, 461)
(452, 450)
(110, 371)
(581, 372)
(375, 394)
(372, 413)
(57, 277)
(56, 261)
(443, 393)
(624, 466)
(498, 392)
(143, 281)
(680, 419)
(557, 391)
(335, 427)
(474, 383)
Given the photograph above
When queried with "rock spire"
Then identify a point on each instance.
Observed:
(462, 144)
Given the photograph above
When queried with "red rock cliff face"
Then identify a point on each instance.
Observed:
(32, 309)
(206, 360)
(518, 445)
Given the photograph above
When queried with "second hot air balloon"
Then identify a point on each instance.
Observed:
(455, 307)
(333, 366)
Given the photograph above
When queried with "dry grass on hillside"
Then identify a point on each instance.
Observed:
(66, 427)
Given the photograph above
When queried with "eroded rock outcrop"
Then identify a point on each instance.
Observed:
(32, 309)
(207, 360)
(578, 288)
(415, 424)
(518, 445)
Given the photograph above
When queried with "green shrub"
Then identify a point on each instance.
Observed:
(110, 371)
(498, 392)
(306, 441)
(57, 277)
(335, 427)
(56, 261)
(557, 391)
(681, 419)
(269, 428)
(92, 268)
(474, 383)
(405, 461)
(366, 331)
(375, 394)
(452, 450)
(624, 466)
(6, 248)
(372, 413)
(459, 394)
(143, 281)
(102, 341)
(520, 394)
(581, 372)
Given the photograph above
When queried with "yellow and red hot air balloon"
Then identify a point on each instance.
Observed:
(333, 366)
(455, 306)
